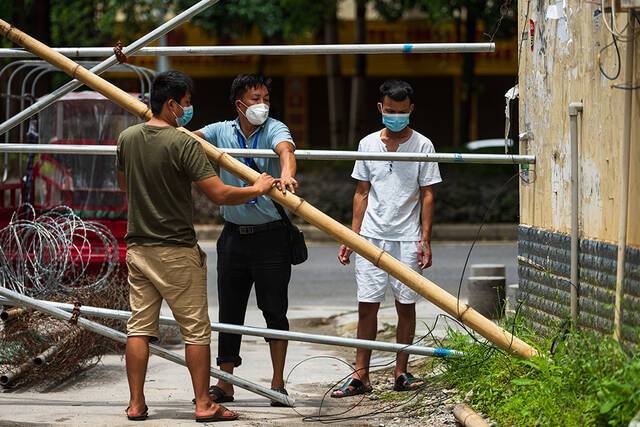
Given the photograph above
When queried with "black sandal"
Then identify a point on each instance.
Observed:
(407, 382)
(218, 395)
(140, 417)
(352, 387)
(278, 404)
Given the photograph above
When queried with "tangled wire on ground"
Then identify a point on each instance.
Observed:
(50, 254)
(58, 256)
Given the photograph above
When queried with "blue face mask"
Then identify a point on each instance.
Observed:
(186, 116)
(395, 122)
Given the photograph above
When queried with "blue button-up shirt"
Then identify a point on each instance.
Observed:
(228, 134)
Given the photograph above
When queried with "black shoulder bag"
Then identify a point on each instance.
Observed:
(297, 245)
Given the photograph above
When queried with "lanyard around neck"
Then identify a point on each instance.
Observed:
(242, 144)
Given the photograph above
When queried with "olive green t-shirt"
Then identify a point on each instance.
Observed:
(159, 164)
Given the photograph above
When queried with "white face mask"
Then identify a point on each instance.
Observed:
(257, 114)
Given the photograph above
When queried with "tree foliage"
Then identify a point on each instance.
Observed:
(276, 19)
(96, 22)
(499, 16)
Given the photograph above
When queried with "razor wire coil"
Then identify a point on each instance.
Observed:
(52, 253)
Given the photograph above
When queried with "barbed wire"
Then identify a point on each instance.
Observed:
(53, 253)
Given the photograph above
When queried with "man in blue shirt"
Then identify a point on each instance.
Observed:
(254, 244)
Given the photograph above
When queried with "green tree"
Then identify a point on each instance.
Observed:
(498, 17)
(277, 20)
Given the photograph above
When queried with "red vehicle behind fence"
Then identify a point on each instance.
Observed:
(86, 183)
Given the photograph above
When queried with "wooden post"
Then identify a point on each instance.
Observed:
(298, 206)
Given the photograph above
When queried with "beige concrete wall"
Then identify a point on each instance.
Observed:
(561, 68)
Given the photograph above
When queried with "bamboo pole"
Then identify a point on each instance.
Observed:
(12, 313)
(120, 337)
(296, 205)
(468, 417)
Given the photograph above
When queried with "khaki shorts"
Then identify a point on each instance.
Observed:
(177, 275)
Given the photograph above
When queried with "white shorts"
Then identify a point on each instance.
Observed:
(372, 281)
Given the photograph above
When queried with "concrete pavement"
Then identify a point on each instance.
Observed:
(322, 300)
(98, 396)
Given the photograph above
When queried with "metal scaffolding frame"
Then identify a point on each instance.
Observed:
(35, 70)
(154, 35)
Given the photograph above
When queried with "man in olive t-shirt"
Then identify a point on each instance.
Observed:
(156, 165)
(163, 162)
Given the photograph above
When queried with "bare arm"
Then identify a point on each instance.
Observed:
(198, 133)
(360, 203)
(428, 203)
(285, 151)
(222, 194)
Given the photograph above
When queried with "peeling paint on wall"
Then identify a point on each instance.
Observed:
(563, 68)
(592, 205)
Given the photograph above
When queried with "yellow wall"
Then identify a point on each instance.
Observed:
(561, 68)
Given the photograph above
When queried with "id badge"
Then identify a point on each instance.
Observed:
(251, 202)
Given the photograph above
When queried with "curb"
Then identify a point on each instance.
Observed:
(440, 232)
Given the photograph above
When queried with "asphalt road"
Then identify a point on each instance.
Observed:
(323, 281)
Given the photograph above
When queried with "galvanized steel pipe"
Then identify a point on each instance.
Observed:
(110, 150)
(312, 49)
(108, 313)
(574, 109)
(118, 336)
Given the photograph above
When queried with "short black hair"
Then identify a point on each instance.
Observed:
(168, 85)
(398, 90)
(244, 82)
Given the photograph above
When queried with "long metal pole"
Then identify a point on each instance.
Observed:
(623, 214)
(45, 101)
(25, 301)
(311, 49)
(295, 204)
(574, 109)
(300, 154)
(108, 313)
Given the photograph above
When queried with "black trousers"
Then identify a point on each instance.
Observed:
(247, 256)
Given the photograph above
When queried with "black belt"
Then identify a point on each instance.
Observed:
(253, 229)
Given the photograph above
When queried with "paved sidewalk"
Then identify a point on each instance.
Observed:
(98, 396)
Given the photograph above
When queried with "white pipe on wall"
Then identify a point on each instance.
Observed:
(574, 109)
(624, 181)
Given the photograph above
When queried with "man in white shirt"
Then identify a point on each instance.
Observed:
(392, 208)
